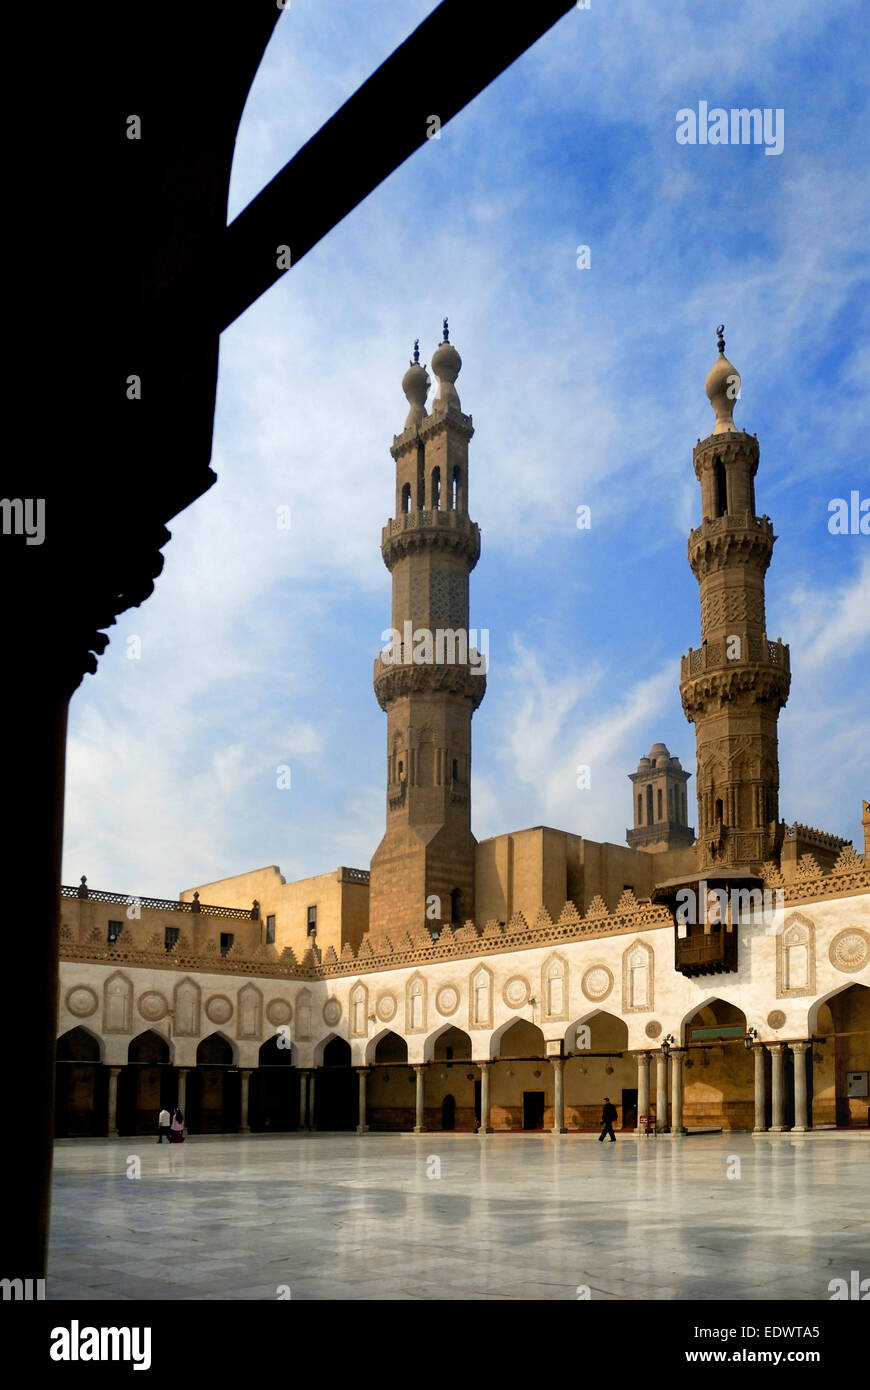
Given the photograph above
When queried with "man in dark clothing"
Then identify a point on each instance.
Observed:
(608, 1115)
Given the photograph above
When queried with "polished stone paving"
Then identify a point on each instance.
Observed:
(338, 1216)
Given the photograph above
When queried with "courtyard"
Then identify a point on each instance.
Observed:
(453, 1216)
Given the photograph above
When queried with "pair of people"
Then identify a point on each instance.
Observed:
(172, 1126)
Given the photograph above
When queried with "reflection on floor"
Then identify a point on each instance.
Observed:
(437, 1216)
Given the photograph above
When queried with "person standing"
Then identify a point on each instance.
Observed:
(177, 1127)
(608, 1115)
(163, 1120)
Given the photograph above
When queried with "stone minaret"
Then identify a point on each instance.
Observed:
(734, 685)
(432, 679)
(660, 807)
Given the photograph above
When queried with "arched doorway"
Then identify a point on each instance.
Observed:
(840, 1068)
(598, 1065)
(336, 1089)
(81, 1097)
(452, 1083)
(719, 1072)
(273, 1097)
(214, 1092)
(521, 1089)
(145, 1085)
(391, 1099)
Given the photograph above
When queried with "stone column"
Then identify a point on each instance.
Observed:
(760, 1126)
(362, 1127)
(778, 1125)
(114, 1073)
(677, 1059)
(303, 1101)
(182, 1090)
(420, 1121)
(642, 1086)
(557, 1064)
(661, 1092)
(311, 1078)
(801, 1124)
(244, 1127)
(485, 1126)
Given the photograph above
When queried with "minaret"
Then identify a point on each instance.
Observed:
(431, 680)
(734, 685)
(660, 809)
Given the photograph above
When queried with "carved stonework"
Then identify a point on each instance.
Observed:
(447, 1000)
(331, 1012)
(480, 998)
(516, 992)
(359, 1009)
(796, 957)
(554, 988)
(81, 1001)
(250, 1013)
(776, 1019)
(186, 1007)
(219, 1009)
(303, 1015)
(279, 1011)
(850, 950)
(653, 1029)
(597, 983)
(118, 1004)
(152, 1006)
(386, 1006)
(415, 1004)
(637, 978)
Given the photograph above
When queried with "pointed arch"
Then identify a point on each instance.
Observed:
(416, 1000)
(118, 1004)
(796, 957)
(638, 978)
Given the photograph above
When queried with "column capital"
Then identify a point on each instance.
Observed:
(775, 1047)
(115, 1071)
(799, 1046)
(363, 1071)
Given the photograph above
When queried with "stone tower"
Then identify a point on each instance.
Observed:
(430, 678)
(734, 685)
(660, 810)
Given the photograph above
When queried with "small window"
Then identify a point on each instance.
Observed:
(312, 921)
(436, 489)
(170, 936)
(227, 939)
(406, 498)
(456, 769)
(639, 809)
(660, 803)
(270, 930)
(115, 929)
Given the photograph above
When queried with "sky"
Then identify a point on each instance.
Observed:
(586, 387)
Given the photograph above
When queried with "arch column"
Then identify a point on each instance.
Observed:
(303, 1100)
(760, 1090)
(677, 1059)
(182, 1089)
(778, 1125)
(485, 1126)
(114, 1073)
(557, 1064)
(362, 1127)
(661, 1092)
(311, 1077)
(420, 1116)
(643, 1059)
(245, 1127)
(801, 1120)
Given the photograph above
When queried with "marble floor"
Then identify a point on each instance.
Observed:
(452, 1216)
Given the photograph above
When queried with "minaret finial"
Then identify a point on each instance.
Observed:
(416, 349)
(720, 338)
(446, 338)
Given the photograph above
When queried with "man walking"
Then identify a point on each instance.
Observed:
(163, 1120)
(608, 1115)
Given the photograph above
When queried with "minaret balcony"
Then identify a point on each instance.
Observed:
(721, 541)
(442, 530)
(740, 521)
(713, 656)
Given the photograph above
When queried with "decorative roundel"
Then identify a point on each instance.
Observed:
(386, 1007)
(219, 1009)
(447, 1000)
(278, 1011)
(653, 1029)
(597, 982)
(850, 950)
(331, 1012)
(516, 992)
(81, 1001)
(776, 1019)
(152, 1006)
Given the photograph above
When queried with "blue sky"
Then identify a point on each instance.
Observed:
(586, 386)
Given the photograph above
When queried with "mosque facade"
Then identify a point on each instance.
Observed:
(718, 980)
